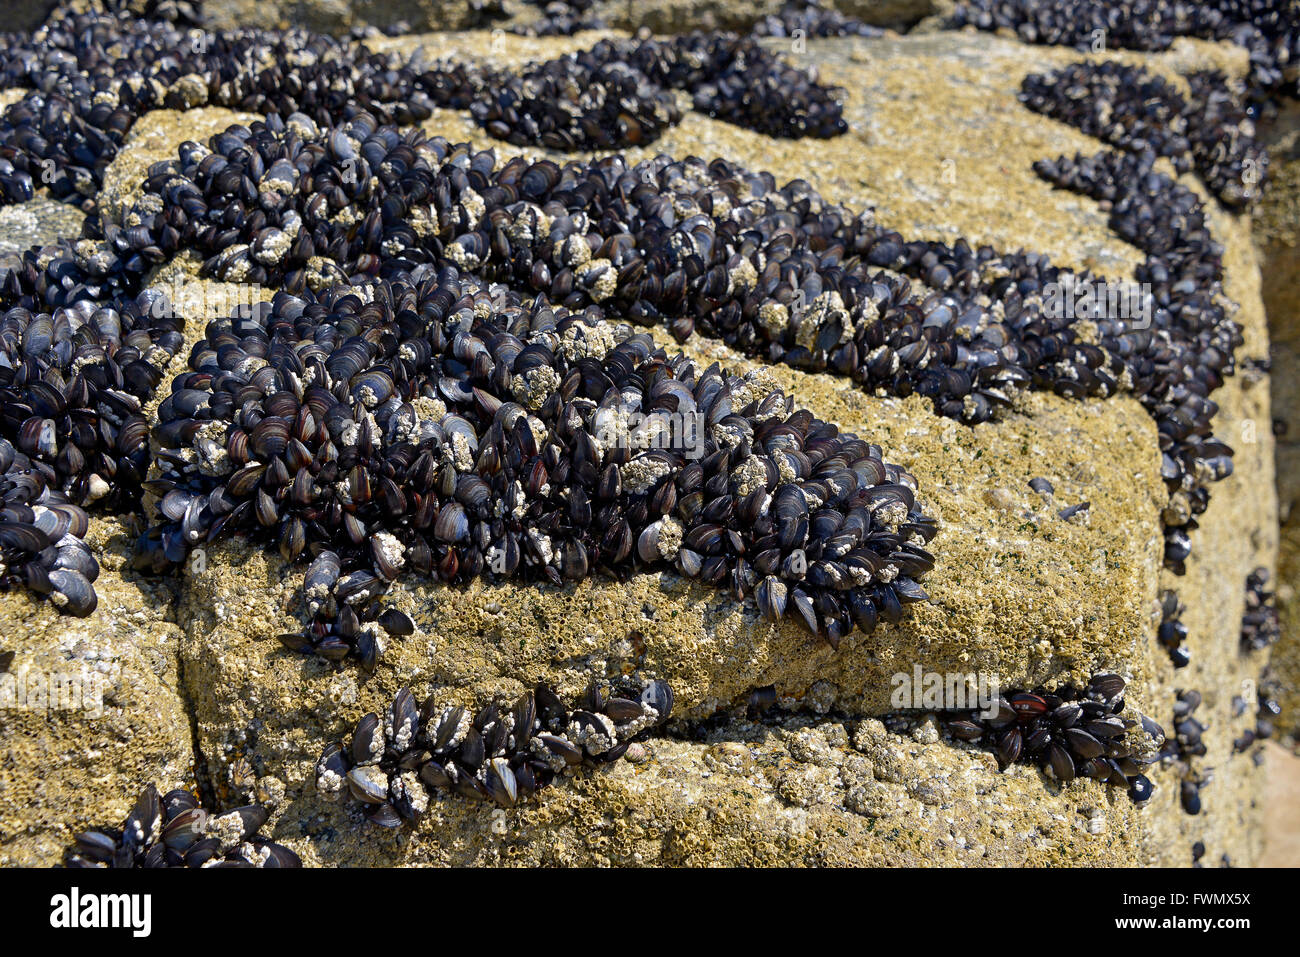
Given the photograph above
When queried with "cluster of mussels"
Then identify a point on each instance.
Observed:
(85, 99)
(73, 384)
(41, 537)
(393, 766)
(809, 18)
(735, 79)
(1172, 632)
(1259, 624)
(1185, 745)
(777, 273)
(1268, 29)
(1068, 733)
(1187, 346)
(437, 424)
(561, 18)
(619, 93)
(1267, 710)
(593, 99)
(174, 831)
(338, 606)
(1125, 105)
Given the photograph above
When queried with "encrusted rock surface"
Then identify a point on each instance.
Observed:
(940, 146)
(37, 222)
(91, 707)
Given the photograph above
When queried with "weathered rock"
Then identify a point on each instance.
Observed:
(37, 222)
(771, 801)
(941, 148)
(90, 707)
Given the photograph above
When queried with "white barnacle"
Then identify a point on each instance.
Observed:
(228, 829)
(392, 551)
(462, 456)
(891, 514)
(610, 428)
(534, 386)
(596, 737)
(543, 545)
(774, 318)
(669, 540)
(328, 782)
(210, 444)
(402, 734)
(826, 308)
(643, 473)
(742, 278)
(749, 476)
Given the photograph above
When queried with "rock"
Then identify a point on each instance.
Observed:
(1277, 234)
(1016, 592)
(37, 222)
(940, 147)
(89, 708)
(678, 808)
(27, 14)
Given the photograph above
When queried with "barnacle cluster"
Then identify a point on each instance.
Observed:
(394, 765)
(175, 831)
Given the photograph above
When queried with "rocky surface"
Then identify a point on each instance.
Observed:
(36, 222)
(941, 147)
(27, 14)
(660, 16)
(1278, 237)
(91, 706)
